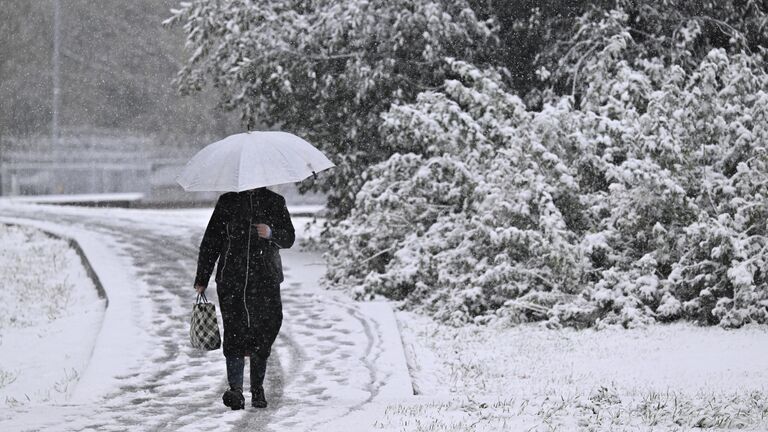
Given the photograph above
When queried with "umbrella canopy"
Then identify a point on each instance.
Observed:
(250, 160)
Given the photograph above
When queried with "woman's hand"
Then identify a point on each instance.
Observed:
(264, 230)
(200, 289)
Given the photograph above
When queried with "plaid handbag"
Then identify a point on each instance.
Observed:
(204, 328)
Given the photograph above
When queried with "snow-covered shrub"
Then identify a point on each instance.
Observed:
(720, 275)
(408, 194)
(472, 221)
(646, 202)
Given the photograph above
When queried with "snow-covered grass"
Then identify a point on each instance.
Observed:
(661, 377)
(31, 265)
(49, 317)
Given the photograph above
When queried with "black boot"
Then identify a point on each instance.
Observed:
(258, 371)
(257, 397)
(234, 398)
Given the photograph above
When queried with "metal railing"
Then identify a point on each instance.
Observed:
(54, 178)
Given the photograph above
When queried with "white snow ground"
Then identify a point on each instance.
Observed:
(332, 358)
(339, 365)
(661, 378)
(49, 318)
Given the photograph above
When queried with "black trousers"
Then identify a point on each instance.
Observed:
(235, 369)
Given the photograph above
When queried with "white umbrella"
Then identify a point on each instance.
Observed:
(250, 160)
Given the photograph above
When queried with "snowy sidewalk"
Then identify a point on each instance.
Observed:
(333, 359)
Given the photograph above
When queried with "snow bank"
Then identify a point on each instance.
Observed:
(121, 333)
(49, 317)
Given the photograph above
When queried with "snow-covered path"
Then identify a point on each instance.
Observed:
(332, 358)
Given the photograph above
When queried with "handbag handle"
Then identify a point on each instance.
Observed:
(201, 296)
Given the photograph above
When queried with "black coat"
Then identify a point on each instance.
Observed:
(249, 270)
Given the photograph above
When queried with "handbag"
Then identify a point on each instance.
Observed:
(204, 328)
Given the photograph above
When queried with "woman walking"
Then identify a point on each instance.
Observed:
(244, 235)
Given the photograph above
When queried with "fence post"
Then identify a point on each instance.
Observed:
(148, 181)
(14, 185)
(93, 178)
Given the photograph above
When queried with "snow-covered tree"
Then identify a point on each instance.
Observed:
(544, 43)
(472, 222)
(326, 68)
(678, 32)
(645, 203)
